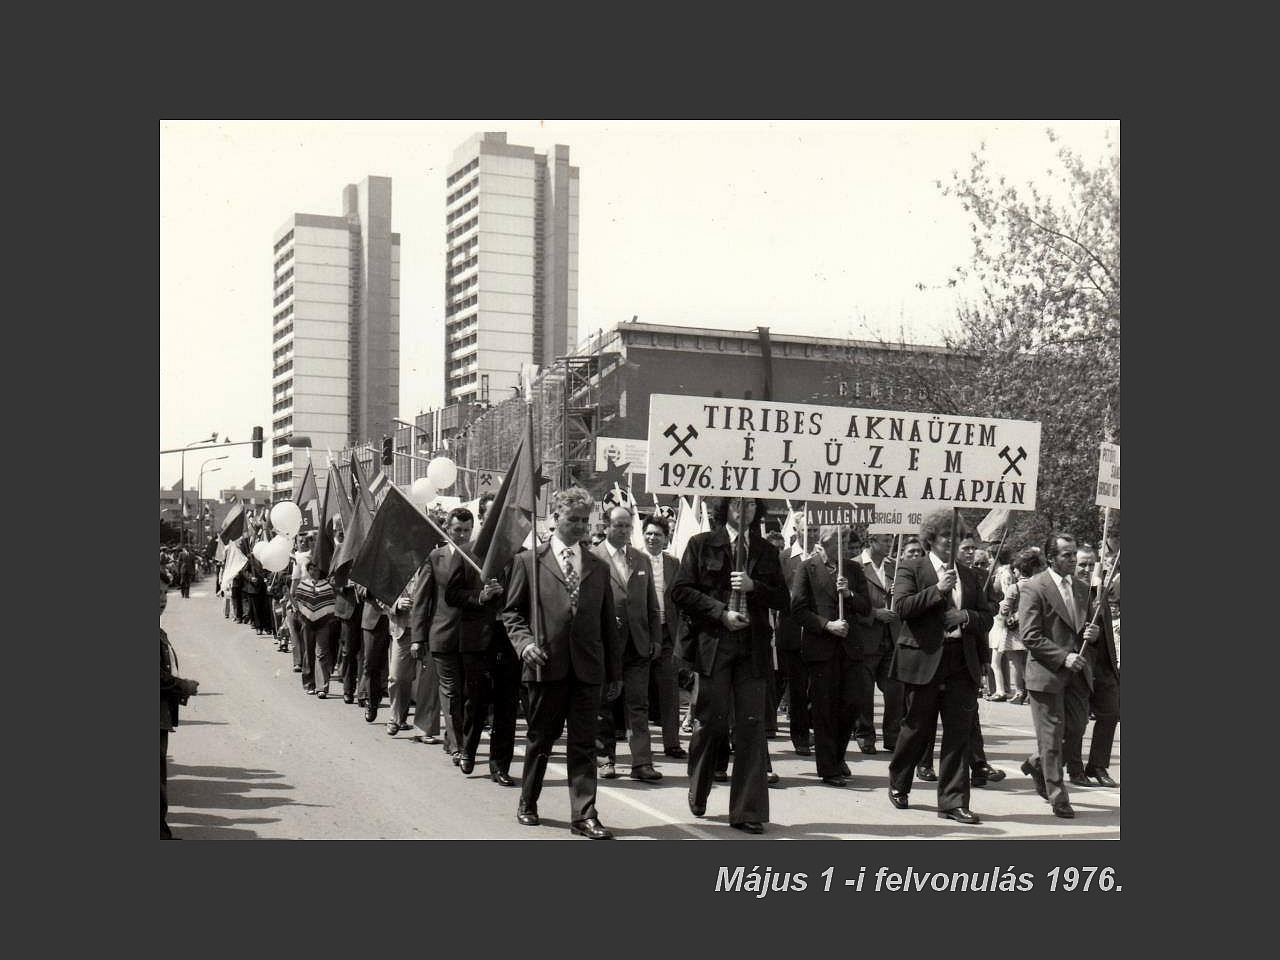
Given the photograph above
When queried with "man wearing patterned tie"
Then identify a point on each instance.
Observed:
(576, 658)
(1053, 619)
(635, 605)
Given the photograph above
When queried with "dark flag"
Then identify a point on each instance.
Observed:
(359, 488)
(354, 531)
(397, 544)
(340, 498)
(322, 552)
(307, 492)
(232, 524)
(510, 517)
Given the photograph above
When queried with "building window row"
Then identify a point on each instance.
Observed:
(281, 459)
(282, 315)
(283, 423)
(463, 190)
(282, 241)
(460, 174)
(454, 289)
(282, 333)
(283, 277)
(464, 343)
(283, 296)
(464, 265)
(465, 208)
(284, 258)
(459, 231)
(465, 325)
(455, 382)
(469, 360)
(464, 247)
(282, 368)
(462, 305)
(282, 352)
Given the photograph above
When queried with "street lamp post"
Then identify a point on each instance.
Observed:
(183, 483)
(200, 495)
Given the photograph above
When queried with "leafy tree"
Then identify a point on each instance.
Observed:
(1045, 329)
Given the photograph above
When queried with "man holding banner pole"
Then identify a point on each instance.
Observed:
(944, 611)
(876, 631)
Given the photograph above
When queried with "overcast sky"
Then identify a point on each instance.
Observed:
(818, 228)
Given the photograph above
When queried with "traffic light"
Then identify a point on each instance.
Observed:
(388, 456)
(257, 442)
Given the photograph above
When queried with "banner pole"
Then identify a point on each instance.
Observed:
(1102, 598)
(896, 567)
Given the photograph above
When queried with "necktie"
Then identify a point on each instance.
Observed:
(570, 579)
(1069, 598)
(620, 561)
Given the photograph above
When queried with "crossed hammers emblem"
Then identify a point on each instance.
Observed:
(671, 432)
(1013, 461)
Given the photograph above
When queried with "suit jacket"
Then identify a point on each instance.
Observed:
(921, 606)
(676, 625)
(789, 633)
(702, 592)
(814, 604)
(1104, 648)
(345, 604)
(462, 593)
(1047, 632)
(374, 612)
(585, 642)
(436, 623)
(639, 621)
(874, 635)
(399, 621)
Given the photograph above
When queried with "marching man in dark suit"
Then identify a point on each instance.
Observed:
(788, 637)
(1053, 616)
(832, 651)
(577, 655)
(944, 613)
(635, 604)
(877, 631)
(728, 581)
(657, 534)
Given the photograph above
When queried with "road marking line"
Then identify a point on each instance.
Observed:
(642, 807)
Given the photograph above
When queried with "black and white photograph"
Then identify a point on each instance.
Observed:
(640, 479)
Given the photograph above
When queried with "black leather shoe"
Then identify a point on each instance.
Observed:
(456, 758)
(363, 701)
(1078, 778)
(591, 828)
(899, 800)
(1101, 775)
(498, 777)
(867, 746)
(804, 750)
(985, 772)
(749, 827)
(1065, 811)
(772, 778)
(959, 814)
(721, 776)
(528, 817)
(926, 773)
(370, 715)
(608, 771)
(844, 769)
(645, 772)
(348, 698)
(836, 781)
(467, 764)
(1036, 774)
(676, 753)
(696, 808)
(889, 747)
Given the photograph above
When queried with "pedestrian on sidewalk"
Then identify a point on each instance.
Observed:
(174, 692)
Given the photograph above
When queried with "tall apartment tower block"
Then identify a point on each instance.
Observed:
(511, 265)
(335, 330)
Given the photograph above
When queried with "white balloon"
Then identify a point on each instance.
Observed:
(422, 492)
(286, 518)
(276, 555)
(442, 472)
(258, 548)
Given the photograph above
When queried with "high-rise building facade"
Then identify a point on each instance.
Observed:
(511, 265)
(335, 330)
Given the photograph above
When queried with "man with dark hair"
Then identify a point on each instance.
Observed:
(832, 651)
(876, 631)
(1104, 695)
(577, 654)
(793, 672)
(441, 623)
(1053, 612)
(657, 533)
(727, 583)
(635, 605)
(944, 611)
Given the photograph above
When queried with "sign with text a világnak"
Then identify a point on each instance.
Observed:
(1109, 476)
(721, 447)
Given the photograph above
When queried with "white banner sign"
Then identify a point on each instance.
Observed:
(622, 451)
(1109, 476)
(900, 518)
(757, 448)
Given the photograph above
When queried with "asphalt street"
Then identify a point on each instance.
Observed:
(254, 756)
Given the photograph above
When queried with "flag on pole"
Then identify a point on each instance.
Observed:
(307, 493)
(232, 524)
(359, 488)
(378, 487)
(686, 527)
(354, 532)
(323, 550)
(510, 518)
(234, 561)
(397, 544)
(991, 525)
